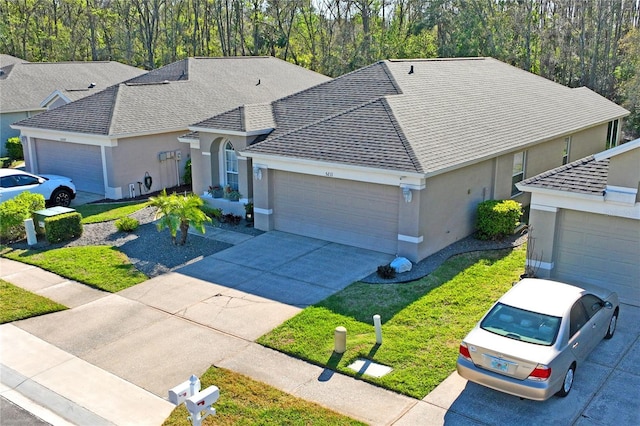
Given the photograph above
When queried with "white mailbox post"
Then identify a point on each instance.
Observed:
(178, 394)
(199, 403)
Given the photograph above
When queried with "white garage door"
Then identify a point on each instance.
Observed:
(599, 249)
(82, 163)
(347, 212)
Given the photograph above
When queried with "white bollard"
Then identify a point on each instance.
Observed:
(378, 326)
(31, 232)
(340, 340)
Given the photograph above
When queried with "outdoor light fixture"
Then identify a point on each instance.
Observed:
(257, 172)
(406, 192)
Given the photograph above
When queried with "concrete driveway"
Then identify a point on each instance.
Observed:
(605, 392)
(201, 314)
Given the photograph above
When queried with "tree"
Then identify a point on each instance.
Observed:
(179, 212)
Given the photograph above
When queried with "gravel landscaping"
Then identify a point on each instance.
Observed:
(150, 250)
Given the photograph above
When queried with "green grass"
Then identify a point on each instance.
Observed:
(244, 401)
(17, 304)
(102, 267)
(94, 213)
(423, 321)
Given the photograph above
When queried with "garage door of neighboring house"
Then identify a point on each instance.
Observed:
(82, 163)
(347, 212)
(601, 250)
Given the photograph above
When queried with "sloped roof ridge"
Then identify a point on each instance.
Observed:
(326, 118)
(325, 83)
(560, 169)
(116, 89)
(392, 79)
(405, 142)
(462, 58)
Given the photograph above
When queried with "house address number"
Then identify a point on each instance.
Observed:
(328, 174)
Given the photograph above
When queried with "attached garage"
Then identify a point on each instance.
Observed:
(601, 250)
(82, 163)
(348, 212)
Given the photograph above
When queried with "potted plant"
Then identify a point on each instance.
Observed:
(216, 191)
(248, 212)
(231, 194)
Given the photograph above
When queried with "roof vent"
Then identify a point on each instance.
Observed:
(258, 83)
(92, 85)
(411, 70)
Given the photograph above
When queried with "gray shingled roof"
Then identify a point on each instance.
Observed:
(584, 176)
(447, 113)
(24, 85)
(177, 95)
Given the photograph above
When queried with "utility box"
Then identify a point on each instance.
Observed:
(41, 215)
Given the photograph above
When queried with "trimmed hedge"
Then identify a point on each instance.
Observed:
(14, 148)
(497, 219)
(63, 227)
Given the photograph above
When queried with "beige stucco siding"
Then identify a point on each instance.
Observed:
(133, 157)
(449, 203)
(206, 163)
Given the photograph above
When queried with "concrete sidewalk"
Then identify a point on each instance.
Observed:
(93, 353)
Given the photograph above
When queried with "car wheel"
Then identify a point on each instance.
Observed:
(612, 325)
(567, 383)
(61, 197)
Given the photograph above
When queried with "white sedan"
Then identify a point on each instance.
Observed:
(56, 190)
(531, 341)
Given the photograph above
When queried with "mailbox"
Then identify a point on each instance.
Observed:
(202, 400)
(179, 393)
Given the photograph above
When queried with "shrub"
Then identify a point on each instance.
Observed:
(497, 218)
(386, 272)
(5, 161)
(14, 148)
(187, 177)
(212, 212)
(63, 227)
(232, 219)
(127, 224)
(13, 212)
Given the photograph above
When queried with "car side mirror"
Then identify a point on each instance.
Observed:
(608, 305)
(41, 180)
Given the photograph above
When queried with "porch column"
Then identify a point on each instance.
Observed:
(263, 197)
(540, 253)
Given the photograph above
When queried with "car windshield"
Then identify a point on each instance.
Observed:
(519, 324)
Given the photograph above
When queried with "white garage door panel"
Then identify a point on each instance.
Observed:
(82, 163)
(347, 212)
(599, 249)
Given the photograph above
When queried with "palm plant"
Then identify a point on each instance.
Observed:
(179, 212)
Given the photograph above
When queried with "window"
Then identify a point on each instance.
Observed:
(565, 152)
(231, 166)
(612, 134)
(591, 304)
(519, 160)
(578, 318)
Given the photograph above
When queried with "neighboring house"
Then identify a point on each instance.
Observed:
(29, 88)
(396, 156)
(586, 221)
(115, 141)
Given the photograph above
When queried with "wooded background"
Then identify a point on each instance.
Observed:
(593, 43)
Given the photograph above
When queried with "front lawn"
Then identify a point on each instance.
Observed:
(17, 303)
(423, 321)
(94, 213)
(102, 267)
(244, 401)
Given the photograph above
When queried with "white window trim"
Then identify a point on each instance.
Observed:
(523, 172)
(567, 147)
(227, 172)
